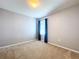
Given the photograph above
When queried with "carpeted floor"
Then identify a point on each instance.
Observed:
(36, 50)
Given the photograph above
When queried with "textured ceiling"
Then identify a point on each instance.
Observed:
(47, 7)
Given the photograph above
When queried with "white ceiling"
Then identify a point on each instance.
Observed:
(46, 6)
(65, 5)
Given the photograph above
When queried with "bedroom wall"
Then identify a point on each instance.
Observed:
(15, 28)
(63, 28)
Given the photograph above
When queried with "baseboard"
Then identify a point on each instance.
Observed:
(63, 47)
(16, 44)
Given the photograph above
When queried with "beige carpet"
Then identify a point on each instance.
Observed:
(36, 50)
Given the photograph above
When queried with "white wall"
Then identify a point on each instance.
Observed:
(15, 28)
(63, 28)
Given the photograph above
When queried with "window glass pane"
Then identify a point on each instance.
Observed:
(42, 29)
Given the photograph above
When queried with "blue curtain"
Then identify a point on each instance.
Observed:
(39, 36)
(46, 31)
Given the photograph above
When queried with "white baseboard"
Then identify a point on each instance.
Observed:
(63, 47)
(16, 44)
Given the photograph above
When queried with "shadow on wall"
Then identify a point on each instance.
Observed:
(15, 28)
